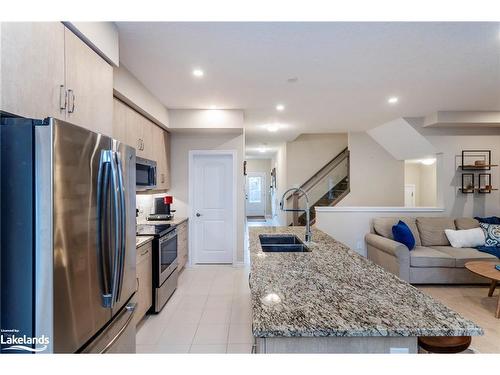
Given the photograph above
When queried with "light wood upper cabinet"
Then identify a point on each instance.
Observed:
(32, 69)
(149, 140)
(161, 150)
(47, 71)
(120, 121)
(89, 81)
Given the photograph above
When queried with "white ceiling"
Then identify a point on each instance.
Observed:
(345, 71)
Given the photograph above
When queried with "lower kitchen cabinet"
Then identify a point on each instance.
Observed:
(182, 244)
(144, 270)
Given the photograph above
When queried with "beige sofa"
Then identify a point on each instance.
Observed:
(433, 260)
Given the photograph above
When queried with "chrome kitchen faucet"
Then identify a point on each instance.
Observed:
(308, 237)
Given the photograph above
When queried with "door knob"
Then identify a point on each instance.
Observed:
(198, 214)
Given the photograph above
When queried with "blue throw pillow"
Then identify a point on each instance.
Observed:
(403, 234)
(488, 220)
(491, 234)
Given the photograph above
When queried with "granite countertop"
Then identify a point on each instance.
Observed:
(141, 240)
(334, 291)
(174, 221)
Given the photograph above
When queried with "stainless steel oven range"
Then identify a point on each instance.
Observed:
(165, 271)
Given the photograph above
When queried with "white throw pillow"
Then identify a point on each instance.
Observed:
(466, 237)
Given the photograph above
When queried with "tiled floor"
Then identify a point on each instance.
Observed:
(209, 313)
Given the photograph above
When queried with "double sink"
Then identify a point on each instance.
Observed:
(282, 243)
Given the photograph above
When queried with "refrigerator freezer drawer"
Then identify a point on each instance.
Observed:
(119, 336)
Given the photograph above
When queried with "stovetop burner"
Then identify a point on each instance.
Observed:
(156, 230)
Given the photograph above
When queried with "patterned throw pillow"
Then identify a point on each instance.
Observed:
(492, 234)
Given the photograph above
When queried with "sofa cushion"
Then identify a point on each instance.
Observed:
(431, 230)
(383, 227)
(464, 254)
(423, 256)
(466, 223)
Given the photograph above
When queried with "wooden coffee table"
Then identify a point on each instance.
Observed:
(488, 270)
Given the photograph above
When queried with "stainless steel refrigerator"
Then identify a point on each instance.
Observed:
(67, 239)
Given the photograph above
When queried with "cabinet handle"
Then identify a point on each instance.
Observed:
(71, 101)
(162, 178)
(138, 282)
(145, 252)
(63, 97)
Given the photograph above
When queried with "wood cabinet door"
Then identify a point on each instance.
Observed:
(133, 129)
(182, 244)
(159, 154)
(89, 81)
(166, 137)
(119, 121)
(144, 269)
(147, 132)
(32, 69)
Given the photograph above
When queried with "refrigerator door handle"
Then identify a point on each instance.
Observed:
(116, 230)
(123, 224)
(102, 204)
(129, 309)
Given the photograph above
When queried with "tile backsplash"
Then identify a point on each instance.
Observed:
(145, 204)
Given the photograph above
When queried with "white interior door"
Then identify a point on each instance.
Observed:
(256, 194)
(212, 192)
(409, 195)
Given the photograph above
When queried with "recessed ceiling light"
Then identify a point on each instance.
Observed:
(198, 73)
(273, 128)
(262, 150)
(393, 100)
(280, 107)
(213, 107)
(427, 161)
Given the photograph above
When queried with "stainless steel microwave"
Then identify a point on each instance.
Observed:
(145, 174)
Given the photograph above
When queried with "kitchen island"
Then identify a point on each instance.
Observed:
(333, 300)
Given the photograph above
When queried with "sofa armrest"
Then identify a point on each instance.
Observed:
(386, 245)
(389, 254)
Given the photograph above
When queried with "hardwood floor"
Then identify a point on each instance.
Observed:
(474, 304)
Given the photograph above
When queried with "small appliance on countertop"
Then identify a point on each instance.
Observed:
(162, 209)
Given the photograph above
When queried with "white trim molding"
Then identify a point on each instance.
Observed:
(378, 209)
(234, 157)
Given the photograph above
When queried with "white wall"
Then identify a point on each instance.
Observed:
(308, 153)
(196, 119)
(449, 143)
(264, 166)
(371, 169)
(350, 224)
(130, 90)
(376, 178)
(279, 162)
(424, 179)
(181, 144)
(102, 37)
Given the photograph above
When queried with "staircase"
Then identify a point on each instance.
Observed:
(326, 187)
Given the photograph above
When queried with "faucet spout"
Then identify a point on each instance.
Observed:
(308, 236)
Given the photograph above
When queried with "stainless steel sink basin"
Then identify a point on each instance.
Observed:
(282, 243)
